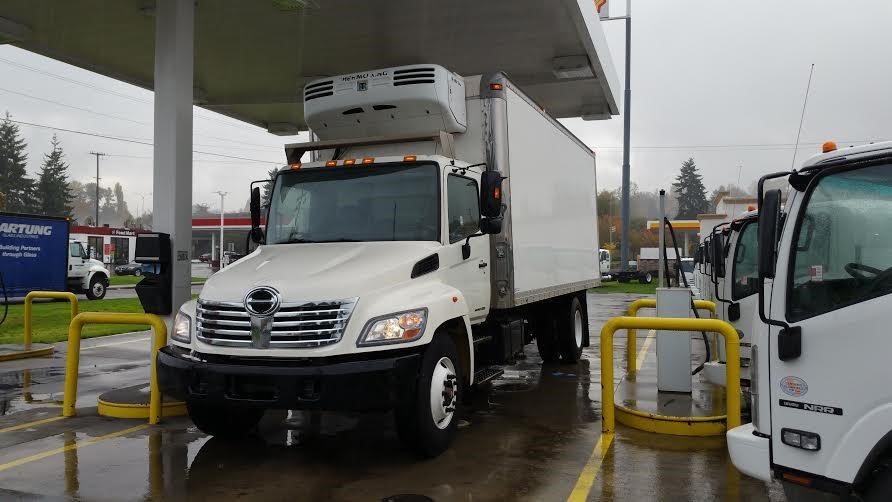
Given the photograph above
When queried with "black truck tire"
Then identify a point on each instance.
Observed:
(426, 423)
(572, 329)
(98, 287)
(546, 337)
(224, 421)
(880, 486)
(646, 278)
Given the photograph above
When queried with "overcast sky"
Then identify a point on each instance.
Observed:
(721, 81)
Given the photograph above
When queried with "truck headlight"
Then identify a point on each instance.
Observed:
(182, 328)
(394, 328)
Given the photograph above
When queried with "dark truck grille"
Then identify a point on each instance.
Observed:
(295, 325)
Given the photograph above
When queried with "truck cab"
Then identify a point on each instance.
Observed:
(733, 287)
(821, 405)
(85, 274)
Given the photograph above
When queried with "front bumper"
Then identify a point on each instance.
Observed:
(749, 452)
(373, 383)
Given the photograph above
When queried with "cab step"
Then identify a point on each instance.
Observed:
(488, 373)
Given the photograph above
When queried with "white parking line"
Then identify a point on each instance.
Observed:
(115, 343)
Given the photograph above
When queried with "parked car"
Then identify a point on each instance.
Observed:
(206, 257)
(129, 269)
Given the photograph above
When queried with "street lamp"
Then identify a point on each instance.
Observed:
(627, 99)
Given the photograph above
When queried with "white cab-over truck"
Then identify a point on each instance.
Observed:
(85, 275)
(821, 398)
(440, 224)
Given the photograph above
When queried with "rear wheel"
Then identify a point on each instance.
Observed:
(427, 422)
(546, 339)
(98, 287)
(223, 421)
(572, 330)
(137, 272)
(647, 278)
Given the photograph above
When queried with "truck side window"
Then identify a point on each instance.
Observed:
(843, 251)
(76, 250)
(746, 263)
(464, 207)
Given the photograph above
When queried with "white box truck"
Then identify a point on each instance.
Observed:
(821, 399)
(440, 224)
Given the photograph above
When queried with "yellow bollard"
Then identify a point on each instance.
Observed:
(74, 347)
(55, 295)
(732, 368)
(650, 303)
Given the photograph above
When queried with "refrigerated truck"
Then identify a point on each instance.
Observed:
(439, 225)
(821, 399)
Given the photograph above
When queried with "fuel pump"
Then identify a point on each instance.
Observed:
(153, 252)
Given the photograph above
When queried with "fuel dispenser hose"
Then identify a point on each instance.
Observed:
(684, 279)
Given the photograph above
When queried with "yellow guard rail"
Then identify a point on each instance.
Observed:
(650, 303)
(732, 368)
(54, 295)
(74, 350)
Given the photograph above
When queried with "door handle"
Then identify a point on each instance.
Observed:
(482, 264)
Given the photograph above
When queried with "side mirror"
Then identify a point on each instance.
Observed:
(491, 226)
(491, 194)
(769, 216)
(718, 256)
(256, 231)
(734, 312)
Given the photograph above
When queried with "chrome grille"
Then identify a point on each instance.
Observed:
(295, 325)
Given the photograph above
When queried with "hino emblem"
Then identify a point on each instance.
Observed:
(262, 301)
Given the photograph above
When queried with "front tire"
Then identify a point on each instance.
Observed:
(880, 487)
(427, 422)
(98, 287)
(573, 331)
(223, 421)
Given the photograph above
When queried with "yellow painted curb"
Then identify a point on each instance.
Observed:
(41, 352)
(131, 410)
(665, 424)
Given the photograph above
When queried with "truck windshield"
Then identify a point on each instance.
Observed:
(843, 253)
(382, 202)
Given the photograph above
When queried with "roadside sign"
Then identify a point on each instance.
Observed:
(33, 253)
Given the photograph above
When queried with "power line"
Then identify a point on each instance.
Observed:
(107, 91)
(105, 136)
(731, 146)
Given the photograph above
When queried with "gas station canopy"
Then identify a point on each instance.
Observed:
(252, 58)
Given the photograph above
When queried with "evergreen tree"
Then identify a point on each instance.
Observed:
(16, 187)
(268, 186)
(53, 192)
(691, 194)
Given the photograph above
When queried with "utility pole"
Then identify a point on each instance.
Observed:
(222, 196)
(627, 101)
(97, 154)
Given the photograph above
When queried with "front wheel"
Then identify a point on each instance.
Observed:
(98, 287)
(880, 487)
(223, 421)
(427, 422)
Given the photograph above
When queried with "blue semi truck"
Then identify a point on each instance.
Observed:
(36, 254)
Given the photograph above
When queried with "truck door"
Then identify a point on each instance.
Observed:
(833, 278)
(471, 275)
(743, 288)
(77, 266)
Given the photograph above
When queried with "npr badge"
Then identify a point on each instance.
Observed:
(793, 386)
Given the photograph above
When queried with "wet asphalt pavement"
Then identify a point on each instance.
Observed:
(526, 437)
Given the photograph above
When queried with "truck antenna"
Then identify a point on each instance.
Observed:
(802, 117)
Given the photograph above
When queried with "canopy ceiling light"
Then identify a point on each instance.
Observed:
(567, 67)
